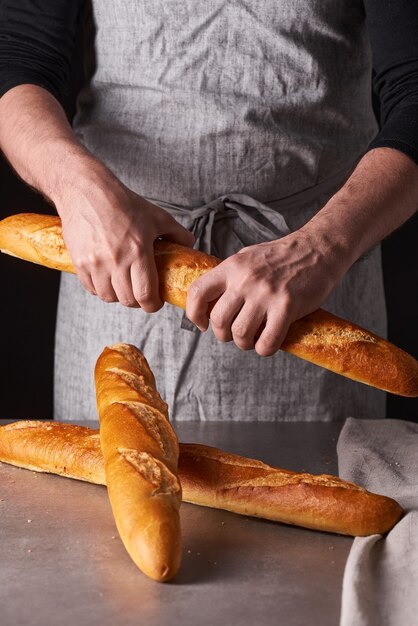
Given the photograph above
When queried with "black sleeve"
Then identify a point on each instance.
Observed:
(36, 43)
(393, 32)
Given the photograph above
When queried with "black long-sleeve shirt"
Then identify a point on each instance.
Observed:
(37, 41)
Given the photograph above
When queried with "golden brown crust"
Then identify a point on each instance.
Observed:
(214, 478)
(35, 238)
(177, 268)
(64, 449)
(321, 338)
(140, 452)
(38, 238)
(211, 477)
(352, 351)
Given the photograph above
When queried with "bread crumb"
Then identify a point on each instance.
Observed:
(29, 521)
(189, 551)
(29, 550)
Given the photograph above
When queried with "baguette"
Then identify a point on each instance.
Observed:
(213, 478)
(140, 451)
(321, 338)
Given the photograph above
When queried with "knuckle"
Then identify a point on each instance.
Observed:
(217, 319)
(194, 291)
(235, 262)
(143, 294)
(286, 298)
(137, 248)
(240, 330)
(80, 263)
(147, 299)
(92, 259)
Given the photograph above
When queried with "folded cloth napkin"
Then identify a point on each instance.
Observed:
(380, 586)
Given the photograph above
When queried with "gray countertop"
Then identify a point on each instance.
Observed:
(62, 563)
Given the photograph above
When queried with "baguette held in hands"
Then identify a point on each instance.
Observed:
(214, 478)
(320, 337)
(140, 451)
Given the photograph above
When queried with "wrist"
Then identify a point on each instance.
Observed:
(325, 234)
(81, 175)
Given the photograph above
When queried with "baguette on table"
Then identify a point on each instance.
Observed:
(320, 337)
(140, 451)
(213, 478)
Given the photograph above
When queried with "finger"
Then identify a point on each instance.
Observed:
(103, 287)
(202, 292)
(86, 281)
(274, 332)
(223, 314)
(246, 325)
(144, 280)
(122, 285)
(177, 233)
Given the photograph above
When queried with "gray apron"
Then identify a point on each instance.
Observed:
(241, 119)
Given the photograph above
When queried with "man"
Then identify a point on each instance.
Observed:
(248, 123)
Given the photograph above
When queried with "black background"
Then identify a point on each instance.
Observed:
(29, 295)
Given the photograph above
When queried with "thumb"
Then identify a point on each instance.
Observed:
(178, 234)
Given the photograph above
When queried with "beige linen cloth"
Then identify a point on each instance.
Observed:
(380, 586)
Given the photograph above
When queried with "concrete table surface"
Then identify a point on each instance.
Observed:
(62, 562)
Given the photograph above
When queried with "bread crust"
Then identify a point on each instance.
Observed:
(347, 349)
(140, 451)
(36, 238)
(320, 338)
(214, 478)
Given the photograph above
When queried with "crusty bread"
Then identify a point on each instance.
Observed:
(140, 451)
(36, 238)
(321, 338)
(213, 478)
(347, 349)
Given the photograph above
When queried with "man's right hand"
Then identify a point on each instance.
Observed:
(108, 229)
(109, 232)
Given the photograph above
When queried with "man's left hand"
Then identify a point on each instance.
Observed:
(262, 289)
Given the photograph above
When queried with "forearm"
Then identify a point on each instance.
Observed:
(38, 141)
(108, 229)
(261, 290)
(380, 195)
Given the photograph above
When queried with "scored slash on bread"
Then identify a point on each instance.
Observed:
(320, 337)
(214, 478)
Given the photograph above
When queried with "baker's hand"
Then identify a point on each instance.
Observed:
(262, 289)
(110, 235)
